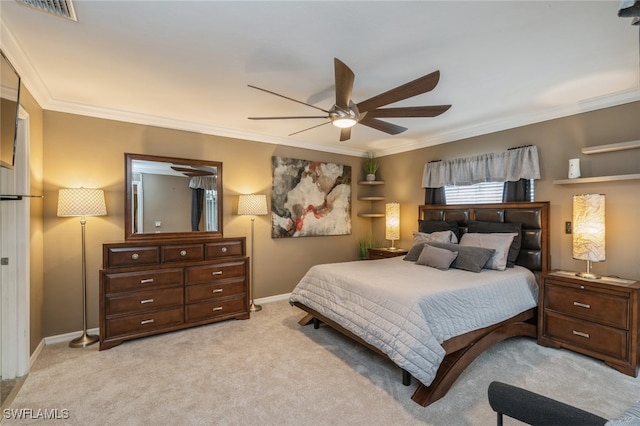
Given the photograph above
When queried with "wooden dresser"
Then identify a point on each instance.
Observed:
(151, 287)
(595, 317)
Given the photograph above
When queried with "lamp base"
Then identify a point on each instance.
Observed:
(254, 308)
(587, 275)
(83, 341)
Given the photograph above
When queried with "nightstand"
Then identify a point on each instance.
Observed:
(384, 253)
(595, 317)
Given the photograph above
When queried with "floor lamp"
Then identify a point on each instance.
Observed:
(252, 205)
(82, 202)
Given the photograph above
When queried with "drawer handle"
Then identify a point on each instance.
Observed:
(581, 334)
(142, 302)
(183, 252)
(223, 249)
(217, 308)
(149, 321)
(582, 305)
(135, 256)
(146, 281)
(216, 273)
(217, 290)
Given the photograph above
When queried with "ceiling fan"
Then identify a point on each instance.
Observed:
(346, 113)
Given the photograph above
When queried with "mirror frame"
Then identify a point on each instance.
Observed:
(128, 198)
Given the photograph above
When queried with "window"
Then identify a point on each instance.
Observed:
(484, 192)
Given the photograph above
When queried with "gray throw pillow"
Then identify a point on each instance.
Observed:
(435, 257)
(491, 227)
(469, 258)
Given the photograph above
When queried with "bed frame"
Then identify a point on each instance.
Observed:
(462, 350)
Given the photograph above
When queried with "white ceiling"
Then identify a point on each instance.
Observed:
(187, 64)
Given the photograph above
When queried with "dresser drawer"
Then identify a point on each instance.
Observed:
(584, 334)
(144, 301)
(213, 309)
(119, 282)
(595, 306)
(220, 271)
(223, 249)
(119, 257)
(140, 323)
(200, 292)
(182, 253)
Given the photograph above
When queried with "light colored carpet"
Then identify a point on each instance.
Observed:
(270, 371)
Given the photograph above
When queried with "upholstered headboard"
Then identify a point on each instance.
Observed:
(534, 217)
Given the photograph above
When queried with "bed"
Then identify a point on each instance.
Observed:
(434, 321)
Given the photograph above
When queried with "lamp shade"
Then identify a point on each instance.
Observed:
(588, 227)
(252, 205)
(392, 228)
(81, 202)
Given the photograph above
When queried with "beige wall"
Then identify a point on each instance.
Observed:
(83, 151)
(557, 142)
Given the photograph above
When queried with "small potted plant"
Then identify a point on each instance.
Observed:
(370, 167)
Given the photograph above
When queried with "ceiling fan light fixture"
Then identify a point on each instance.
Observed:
(344, 123)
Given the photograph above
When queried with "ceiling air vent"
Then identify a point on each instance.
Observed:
(62, 8)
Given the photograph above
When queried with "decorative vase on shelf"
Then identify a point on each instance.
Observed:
(371, 177)
(574, 168)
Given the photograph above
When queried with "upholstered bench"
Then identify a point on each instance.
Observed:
(535, 409)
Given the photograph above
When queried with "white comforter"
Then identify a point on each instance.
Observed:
(408, 310)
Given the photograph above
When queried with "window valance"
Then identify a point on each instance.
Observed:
(507, 166)
(203, 182)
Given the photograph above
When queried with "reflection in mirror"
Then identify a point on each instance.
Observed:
(168, 197)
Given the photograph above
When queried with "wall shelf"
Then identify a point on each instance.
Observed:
(597, 179)
(371, 214)
(611, 147)
(371, 198)
(371, 182)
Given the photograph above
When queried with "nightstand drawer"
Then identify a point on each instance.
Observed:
(587, 335)
(595, 306)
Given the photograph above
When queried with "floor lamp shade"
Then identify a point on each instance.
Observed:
(589, 229)
(392, 222)
(82, 202)
(252, 205)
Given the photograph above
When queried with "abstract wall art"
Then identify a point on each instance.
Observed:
(310, 198)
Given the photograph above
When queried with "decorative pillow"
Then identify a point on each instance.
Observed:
(469, 258)
(495, 227)
(499, 242)
(631, 417)
(435, 257)
(438, 236)
(429, 226)
(414, 252)
(420, 238)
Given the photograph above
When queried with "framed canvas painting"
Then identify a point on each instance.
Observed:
(310, 198)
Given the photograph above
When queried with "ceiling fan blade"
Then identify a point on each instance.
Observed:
(407, 90)
(286, 97)
(383, 126)
(308, 128)
(288, 117)
(344, 83)
(345, 134)
(417, 111)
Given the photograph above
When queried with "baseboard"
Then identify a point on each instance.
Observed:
(270, 299)
(67, 337)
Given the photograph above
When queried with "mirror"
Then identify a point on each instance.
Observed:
(10, 103)
(172, 197)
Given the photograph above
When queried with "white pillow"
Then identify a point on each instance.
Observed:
(437, 237)
(500, 242)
